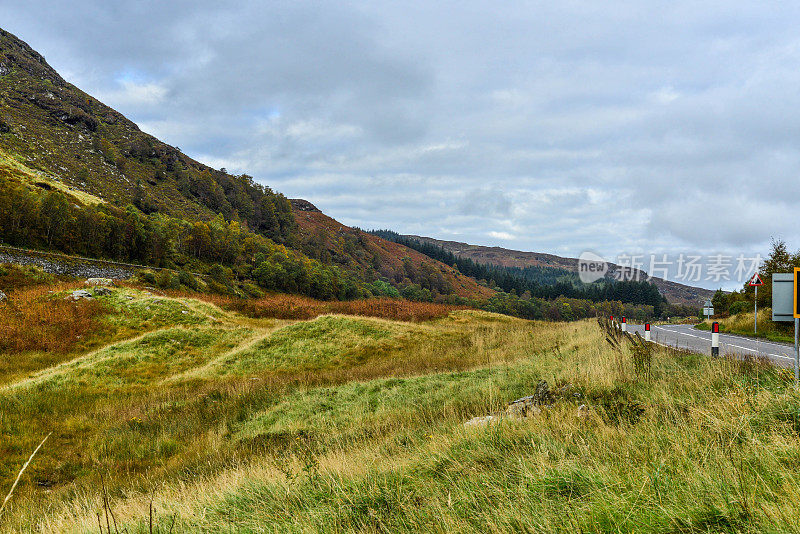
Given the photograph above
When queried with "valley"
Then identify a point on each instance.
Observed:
(226, 422)
(184, 348)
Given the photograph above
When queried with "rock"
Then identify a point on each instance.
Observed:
(79, 294)
(522, 408)
(100, 282)
(530, 406)
(298, 204)
(2, 296)
(542, 394)
(99, 291)
(480, 421)
(583, 411)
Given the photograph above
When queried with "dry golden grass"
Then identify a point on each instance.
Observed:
(711, 451)
(344, 423)
(283, 306)
(742, 324)
(32, 319)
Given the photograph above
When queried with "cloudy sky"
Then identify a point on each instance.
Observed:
(557, 127)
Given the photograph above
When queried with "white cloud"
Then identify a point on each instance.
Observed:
(665, 95)
(501, 235)
(131, 94)
(315, 131)
(563, 127)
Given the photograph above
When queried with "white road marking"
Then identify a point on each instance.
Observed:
(679, 332)
(758, 352)
(758, 342)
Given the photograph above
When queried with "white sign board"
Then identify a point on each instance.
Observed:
(783, 297)
(708, 311)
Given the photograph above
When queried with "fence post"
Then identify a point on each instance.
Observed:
(715, 339)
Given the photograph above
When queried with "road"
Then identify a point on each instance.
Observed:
(687, 337)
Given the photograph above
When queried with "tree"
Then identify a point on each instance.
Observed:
(780, 260)
(720, 301)
(54, 213)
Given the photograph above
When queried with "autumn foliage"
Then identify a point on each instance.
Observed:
(32, 319)
(283, 306)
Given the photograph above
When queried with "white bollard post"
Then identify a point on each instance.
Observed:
(715, 339)
(647, 331)
(624, 325)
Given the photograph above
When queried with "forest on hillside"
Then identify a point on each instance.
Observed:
(539, 282)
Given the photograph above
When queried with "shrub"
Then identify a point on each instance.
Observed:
(14, 276)
(739, 307)
(187, 280)
(252, 290)
(148, 277)
(167, 280)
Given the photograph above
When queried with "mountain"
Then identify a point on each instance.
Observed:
(328, 240)
(72, 138)
(79, 177)
(674, 292)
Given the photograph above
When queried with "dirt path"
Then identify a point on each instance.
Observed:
(208, 367)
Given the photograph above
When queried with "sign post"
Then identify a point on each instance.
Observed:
(796, 313)
(784, 307)
(755, 281)
(708, 309)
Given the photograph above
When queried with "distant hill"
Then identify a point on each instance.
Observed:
(674, 292)
(326, 239)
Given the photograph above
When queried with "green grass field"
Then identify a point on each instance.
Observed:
(225, 423)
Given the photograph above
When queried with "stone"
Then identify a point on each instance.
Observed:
(480, 421)
(542, 393)
(530, 406)
(100, 282)
(522, 408)
(99, 291)
(2, 296)
(79, 294)
(583, 411)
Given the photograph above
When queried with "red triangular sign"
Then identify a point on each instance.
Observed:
(756, 280)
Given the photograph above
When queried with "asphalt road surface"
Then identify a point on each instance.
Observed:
(687, 337)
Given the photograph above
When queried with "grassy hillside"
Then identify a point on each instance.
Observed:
(70, 137)
(129, 196)
(230, 423)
